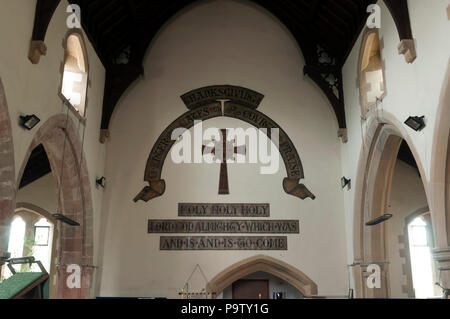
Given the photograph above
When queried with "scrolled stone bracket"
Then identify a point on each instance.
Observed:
(104, 135)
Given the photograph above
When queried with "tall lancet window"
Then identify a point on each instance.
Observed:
(75, 75)
(371, 74)
(421, 260)
(16, 243)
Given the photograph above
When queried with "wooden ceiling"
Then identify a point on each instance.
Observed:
(121, 31)
(115, 25)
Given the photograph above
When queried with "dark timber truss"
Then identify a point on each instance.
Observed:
(121, 31)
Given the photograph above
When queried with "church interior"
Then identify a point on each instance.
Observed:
(225, 149)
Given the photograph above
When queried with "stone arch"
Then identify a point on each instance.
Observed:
(267, 264)
(440, 179)
(375, 171)
(35, 209)
(34, 213)
(59, 135)
(7, 173)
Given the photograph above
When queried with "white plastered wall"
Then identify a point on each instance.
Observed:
(220, 42)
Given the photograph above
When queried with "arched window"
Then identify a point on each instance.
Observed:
(16, 242)
(372, 86)
(43, 239)
(419, 238)
(75, 75)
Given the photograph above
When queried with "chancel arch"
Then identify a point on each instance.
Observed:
(262, 263)
(74, 200)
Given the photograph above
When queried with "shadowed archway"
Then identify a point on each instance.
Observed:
(372, 199)
(62, 145)
(266, 264)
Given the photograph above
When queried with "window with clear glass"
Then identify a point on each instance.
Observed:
(372, 86)
(16, 243)
(42, 248)
(75, 76)
(421, 259)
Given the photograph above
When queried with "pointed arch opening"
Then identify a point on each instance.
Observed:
(372, 83)
(69, 170)
(262, 263)
(391, 181)
(74, 82)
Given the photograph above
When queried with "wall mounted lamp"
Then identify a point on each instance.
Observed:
(417, 123)
(345, 182)
(101, 181)
(29, 121)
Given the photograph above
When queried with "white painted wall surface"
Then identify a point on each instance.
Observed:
(220, 42)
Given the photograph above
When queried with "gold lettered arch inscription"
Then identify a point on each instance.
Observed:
(205, 103)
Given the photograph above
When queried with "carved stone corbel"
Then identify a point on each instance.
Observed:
(408, 49)
(37, 48)
(104, 135)
(342, 133)
(400, 14)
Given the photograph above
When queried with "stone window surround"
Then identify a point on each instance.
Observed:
(86, 82)
(361, 78)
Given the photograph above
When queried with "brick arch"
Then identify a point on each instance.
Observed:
(59, 133)
(7, 173)
(266, 264)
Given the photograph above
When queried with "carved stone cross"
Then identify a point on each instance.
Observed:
(228, 150)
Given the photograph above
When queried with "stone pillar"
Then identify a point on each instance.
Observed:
(4, 238)
(361, 275)
(442, 258)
